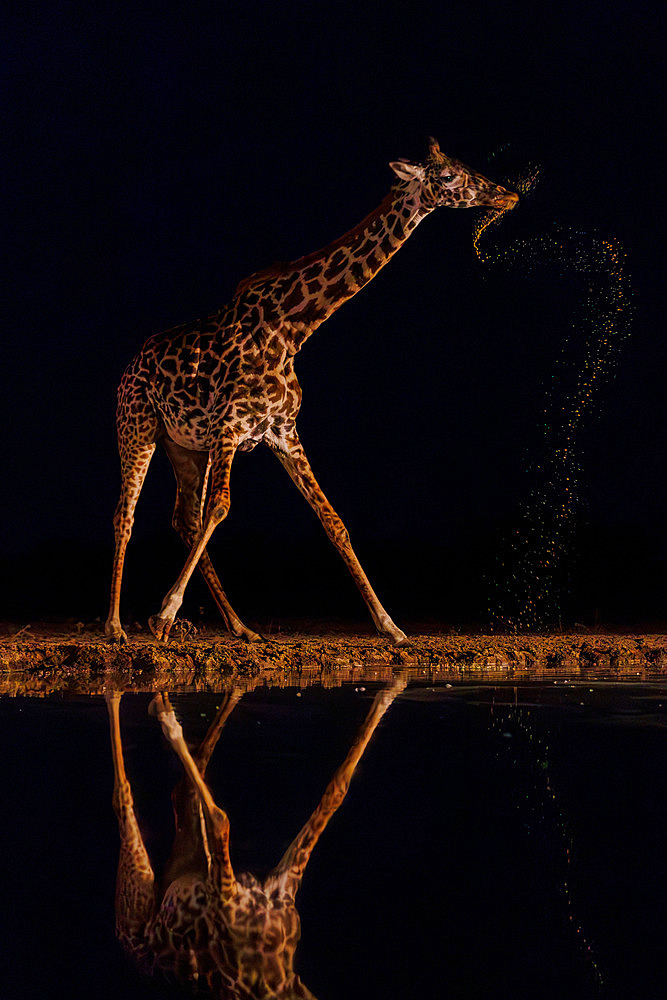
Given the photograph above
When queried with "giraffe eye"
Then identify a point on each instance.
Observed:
(448, 177)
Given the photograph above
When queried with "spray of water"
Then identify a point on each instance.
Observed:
(531, 580)
(525, 749)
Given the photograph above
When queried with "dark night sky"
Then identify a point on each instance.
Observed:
(155, 155)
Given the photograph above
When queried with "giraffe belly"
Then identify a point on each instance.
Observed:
(188, 439)
(262, 401)
(190, 429)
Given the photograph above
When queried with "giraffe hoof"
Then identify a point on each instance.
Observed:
(399, 684)
(117, 636)
(160, 627)
(161, 708)
(158, 705)
(400, 640)
(251, 636)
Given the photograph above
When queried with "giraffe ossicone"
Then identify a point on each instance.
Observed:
(223, 384)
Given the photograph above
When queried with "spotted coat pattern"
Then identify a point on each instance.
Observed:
(223, 384)
(231, 937)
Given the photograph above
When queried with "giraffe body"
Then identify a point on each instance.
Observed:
(231, 936)
(196, 380)
(239, 948)
(210, 388)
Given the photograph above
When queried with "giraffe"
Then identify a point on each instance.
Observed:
(202, 924)
(210, 388)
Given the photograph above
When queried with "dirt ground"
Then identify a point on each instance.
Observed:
(74, 658)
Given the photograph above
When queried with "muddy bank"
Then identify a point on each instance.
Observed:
(40, 659)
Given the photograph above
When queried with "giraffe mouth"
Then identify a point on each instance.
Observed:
(506, 200)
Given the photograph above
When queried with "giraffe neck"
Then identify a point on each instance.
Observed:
(301, 295)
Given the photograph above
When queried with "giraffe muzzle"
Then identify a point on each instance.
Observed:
(506, 199)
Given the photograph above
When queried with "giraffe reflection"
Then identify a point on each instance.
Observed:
(201, 924)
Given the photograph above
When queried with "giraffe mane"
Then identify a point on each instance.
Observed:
(279, 268)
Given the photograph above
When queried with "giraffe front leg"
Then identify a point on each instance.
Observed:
(191, 471)
(293, 458)
(189, 851)
(215, 818)
(293, 863)
(222, 455)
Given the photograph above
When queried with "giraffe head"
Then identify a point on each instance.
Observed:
(450, 183)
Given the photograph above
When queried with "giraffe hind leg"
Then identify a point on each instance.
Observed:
(136, 453)
(205, 750)
(135, 883)
(191, 471)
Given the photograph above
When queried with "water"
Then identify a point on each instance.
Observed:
(533, 579)
(495, 840)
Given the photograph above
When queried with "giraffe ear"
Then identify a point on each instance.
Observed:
(406, 170)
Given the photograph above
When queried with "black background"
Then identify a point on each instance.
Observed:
(156, 154)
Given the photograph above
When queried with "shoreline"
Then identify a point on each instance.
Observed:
(75, 659)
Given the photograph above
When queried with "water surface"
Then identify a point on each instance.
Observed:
(495, 840)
